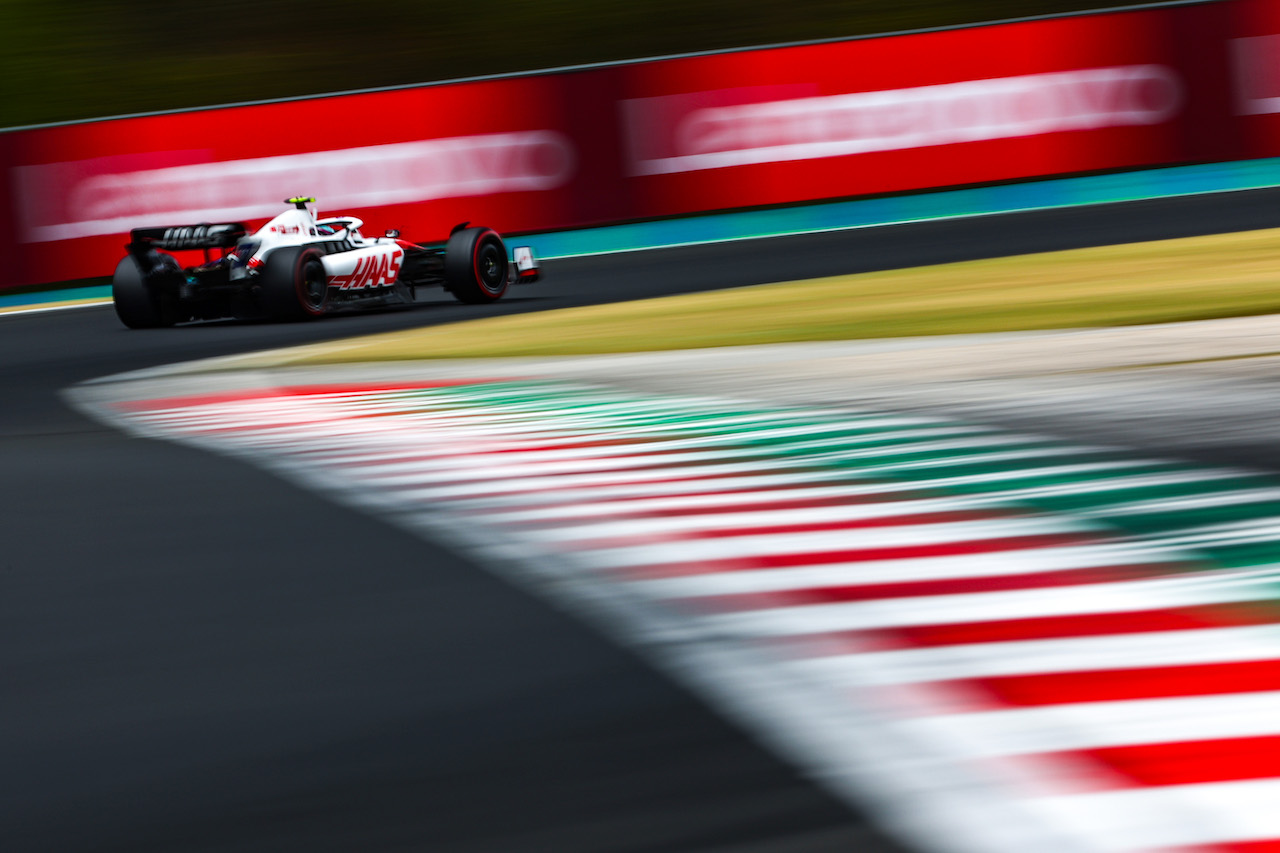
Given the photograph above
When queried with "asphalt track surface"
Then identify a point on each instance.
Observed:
(197, 656)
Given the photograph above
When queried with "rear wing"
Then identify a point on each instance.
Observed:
(181, 237)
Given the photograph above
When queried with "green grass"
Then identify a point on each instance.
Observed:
(1191, 279)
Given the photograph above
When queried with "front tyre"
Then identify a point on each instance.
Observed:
(294, 284)
(475, 265)
(137, 305)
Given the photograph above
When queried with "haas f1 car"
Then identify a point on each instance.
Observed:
(298, 267)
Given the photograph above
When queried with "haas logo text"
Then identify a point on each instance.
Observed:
(370, 271)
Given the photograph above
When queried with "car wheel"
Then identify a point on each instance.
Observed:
(137, 305)
(475, 265)
(294, 284)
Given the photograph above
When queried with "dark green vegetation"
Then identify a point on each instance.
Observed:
(64, 60)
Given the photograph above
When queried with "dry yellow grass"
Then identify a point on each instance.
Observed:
(1197, 278)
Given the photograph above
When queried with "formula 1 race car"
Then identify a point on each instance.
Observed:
(298, 267)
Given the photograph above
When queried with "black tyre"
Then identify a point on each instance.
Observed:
(294, 285)
(475, 265)
(137, 305)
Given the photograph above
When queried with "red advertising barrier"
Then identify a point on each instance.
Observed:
(951, 108)
(929, 110)
(418, 159)
(1255, 63)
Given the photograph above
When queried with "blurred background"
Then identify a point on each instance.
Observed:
(64, 60)
(197, 655)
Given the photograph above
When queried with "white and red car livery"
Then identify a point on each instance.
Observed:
(370, 270)
(299, 266)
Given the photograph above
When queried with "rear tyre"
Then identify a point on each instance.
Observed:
(137, 305)
(475, 265)
(294, 285)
